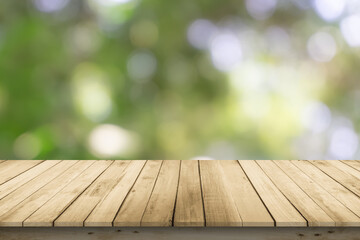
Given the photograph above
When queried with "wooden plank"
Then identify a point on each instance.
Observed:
(313, 213)
(181, 193)
(189, 204)
(219, 206)
(250, 207)
(347, 180)
(160, 208)
(20, 194)
(333, 208)
(105, 212)
(23, 178)
(284, 214)
(346, 197)
(46, 215)
(353, 163)
(23, 210)
(79, 210)
(134, 206)
(11, 169)
(345, 168)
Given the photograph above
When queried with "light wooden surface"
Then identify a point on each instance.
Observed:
(189, 206)
(219, 206)
(180, 193)
(315, 215)
(281, 209)
(10, 169)
(133, 208)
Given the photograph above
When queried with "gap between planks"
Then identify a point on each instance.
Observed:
(180, 193)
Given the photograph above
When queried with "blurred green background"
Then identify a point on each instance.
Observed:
(155, 79)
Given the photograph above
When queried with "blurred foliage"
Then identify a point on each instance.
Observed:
(69, 68)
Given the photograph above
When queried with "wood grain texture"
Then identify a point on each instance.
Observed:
(337, 190)
(10, 169)
(313, 213)
(80, 209)
(345, 168)
(46, 215)
(353, 163)
(283, 212)
(23, 210)
(189, 203)
(251, 209)
(160, 208)
(166, 193)
(219, 206)
(333, 208)
(21, 179)
(104, 213)
(26, 190)
(133, 208)
(346, 179)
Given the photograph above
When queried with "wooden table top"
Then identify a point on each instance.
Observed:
(179, 193)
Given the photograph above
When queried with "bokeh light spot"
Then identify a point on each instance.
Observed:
(112, 2)
(329, 10)
(112, 13)
(200, 33)
(261, 9)
(91, 94)
(141, 65)
(344, 143)
(27, 146)
(321, 47)
(350, 29)
(225, 51)
(278, 41)
(144, 34)
(108, 140)
(84, 39)
(50, 6)
(317, 117)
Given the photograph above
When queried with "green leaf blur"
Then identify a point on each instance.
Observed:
(153, 79)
